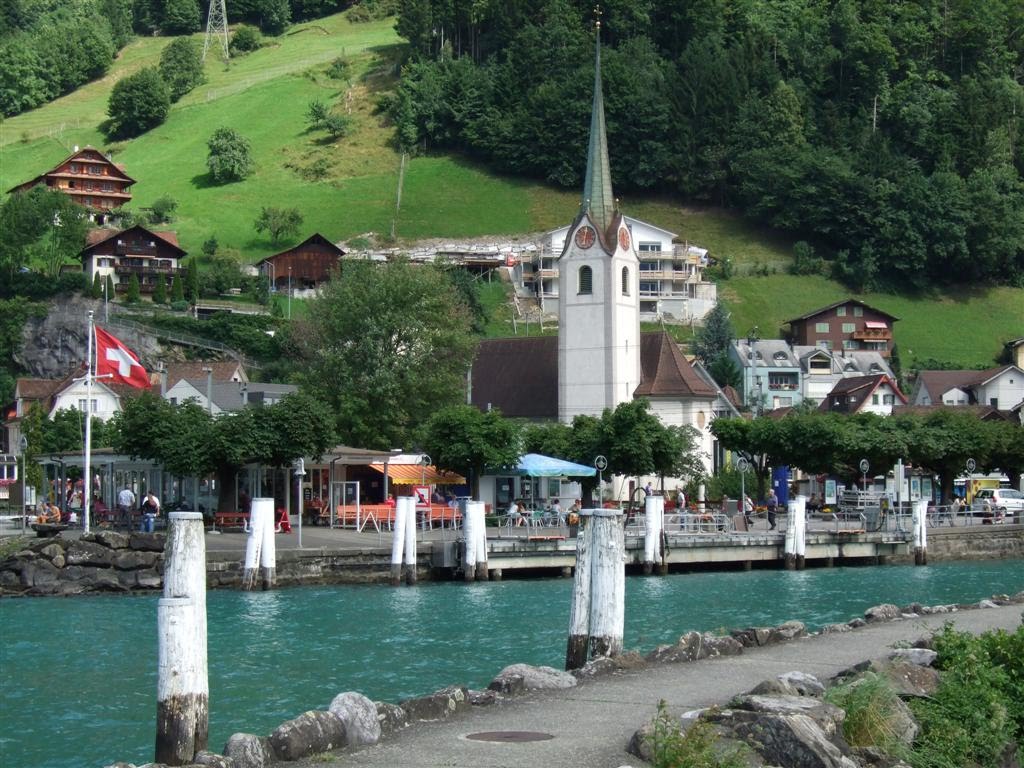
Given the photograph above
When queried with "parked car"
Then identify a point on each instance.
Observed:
(1001, 502)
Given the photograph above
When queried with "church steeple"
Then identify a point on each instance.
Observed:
(597, 186)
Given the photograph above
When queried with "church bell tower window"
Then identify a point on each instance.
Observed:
(625, 281)
(586, 281)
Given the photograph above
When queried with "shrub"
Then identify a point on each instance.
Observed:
(181, 66)
(163, 210)
(132, 295)
(245, 40)
(137, 103)
(804, 260)
(337, 125)
(160, 291)
(693, 748)
(870, 704)
(340, 68)
(179, 306)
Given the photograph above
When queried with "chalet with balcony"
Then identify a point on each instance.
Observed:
(845, 325)
(151, 256)
(1000, 388)
(304, 267)
(90, 178)
(672, 285)
(864, 394)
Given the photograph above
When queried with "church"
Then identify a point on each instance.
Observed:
(600, 357)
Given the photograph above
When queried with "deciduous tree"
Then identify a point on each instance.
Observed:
(138, 103)
(279, 223)
(229, 157)
(467, 440)
(181, 66)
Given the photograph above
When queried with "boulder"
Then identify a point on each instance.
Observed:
(752, 637)
(88, 553)
(790, 684)
(147, 542)
(884, 612)
(130, 560)
(248, 751)
(439, 705)
(785, 736)
(213, 760)
(693, 646)
(788, 630)
(922, 657)
(482, 698)
(149, 579)
(39, 572)
(905, 678)
(829, 629)
(310, 733)
(359, 716)
(109, 539)
(392, 718)
(518, 678)
(827, 716)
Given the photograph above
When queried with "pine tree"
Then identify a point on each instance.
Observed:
(160, 291)
(97, 287)
(713, 339)
(133, 293)
(177, 290)
(110, 287)
(192, 282)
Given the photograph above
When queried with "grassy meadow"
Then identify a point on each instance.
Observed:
(349, 187)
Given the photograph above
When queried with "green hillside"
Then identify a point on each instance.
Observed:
(265, 95)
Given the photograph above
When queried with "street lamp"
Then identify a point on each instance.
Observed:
(209, 388)
(752, 337)
(106, 310)
(289, 293)
(23, 445)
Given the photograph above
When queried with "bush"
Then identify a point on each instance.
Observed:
(36, 286)
(245, 40)
(695, 748)
(870, 704)
(163, 210)
(340, 68)
(230, 157)
(337, 125)
(181, 66)
(137, 103)
(804, 260)
(180, 306)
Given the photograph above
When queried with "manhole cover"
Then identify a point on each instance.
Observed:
(511, 737)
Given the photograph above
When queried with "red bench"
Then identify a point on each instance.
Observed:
(231, 520)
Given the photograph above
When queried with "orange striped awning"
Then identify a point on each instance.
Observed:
(415, 474)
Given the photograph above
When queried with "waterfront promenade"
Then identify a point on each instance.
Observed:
(592, 723)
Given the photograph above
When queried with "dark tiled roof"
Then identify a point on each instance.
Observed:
(519, 377)
(37, 389)
(819, 310)
(937, 383)
(223, 370)
(96, 237)
(859, 387)
(983, 412)
(664, 372)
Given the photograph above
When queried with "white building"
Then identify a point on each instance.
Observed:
(226, 397)
(1001, 388)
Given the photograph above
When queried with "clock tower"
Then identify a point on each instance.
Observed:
(598, 284)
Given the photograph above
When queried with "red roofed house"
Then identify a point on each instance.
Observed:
(90, 178)
(1001, 388)
(864, 394)
(304, 266)
(849, 324)
(152, 256)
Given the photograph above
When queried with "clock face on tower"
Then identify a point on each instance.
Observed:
(585, 237)
(624, 238)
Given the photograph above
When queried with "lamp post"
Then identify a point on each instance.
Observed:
(752, 337)
(106, 310)
(289, 293)
(23, 445)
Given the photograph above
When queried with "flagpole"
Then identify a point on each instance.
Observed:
(87, 471)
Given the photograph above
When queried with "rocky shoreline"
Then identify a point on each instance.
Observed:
(783, 720)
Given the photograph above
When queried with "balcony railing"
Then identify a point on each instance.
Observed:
(142, 249)
(873, 334)
(127, 269)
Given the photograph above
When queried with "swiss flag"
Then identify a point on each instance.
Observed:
(117, 362)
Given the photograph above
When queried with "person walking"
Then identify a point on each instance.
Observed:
(748, 510)
(771, 503)
(150, 510)
(125, 506)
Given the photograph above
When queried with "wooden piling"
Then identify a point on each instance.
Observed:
(920, 532)
(800, 538)
(470, 542)
(654, 512)
(790, 546)
(479, 511)
(397, 544)
(410, 539)
(182, 680)
(597, 613)
(579, 611)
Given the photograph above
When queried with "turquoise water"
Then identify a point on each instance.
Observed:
(78, 676)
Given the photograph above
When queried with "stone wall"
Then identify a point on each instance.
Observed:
(975, 542)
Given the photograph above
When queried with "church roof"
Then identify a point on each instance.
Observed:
(519, 376)
(664, 372)
(597, 185)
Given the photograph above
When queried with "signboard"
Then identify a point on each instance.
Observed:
(831, 496)
(915, 488)
(307, 493)
(422, 494)
(742, 464)
(864, 466)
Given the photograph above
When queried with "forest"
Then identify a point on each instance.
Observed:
(886, 133)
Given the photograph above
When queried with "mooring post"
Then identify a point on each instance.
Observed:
(268, 552)
(654, 512)
(260, 547)
(790, 545)
(182, 721)
(478, 511)
(470, 541)
(920, 532)
(579, 610)
(398, 541)
(800, 543)
(608, 584)
(410, 539)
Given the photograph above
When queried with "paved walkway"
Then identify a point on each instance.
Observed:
(592, 724)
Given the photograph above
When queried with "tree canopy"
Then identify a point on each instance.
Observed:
(229, 156)
(181, 66)
(885, 133)
(387, 345)
(138, 103)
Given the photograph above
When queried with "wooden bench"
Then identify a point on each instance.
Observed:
(231, 520)
(545, 538)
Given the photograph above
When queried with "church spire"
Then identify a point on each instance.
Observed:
(597, 186)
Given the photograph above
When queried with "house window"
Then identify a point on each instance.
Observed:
(821, 327)
(874, 399)
(849, 327)
(649, 247)
(649, 266)
(74, 167)
(849, 344)
(625, 281)
(586, 281)
(71, 183)
(81, 405)
(95, 170)
(888, 399)
(174, 400)
(994, 402)
(824, 344)
(858, 311)
(840, 311)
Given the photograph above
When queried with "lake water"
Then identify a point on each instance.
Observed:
(78, 676)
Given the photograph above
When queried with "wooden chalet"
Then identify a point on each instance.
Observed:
(90, 178)
(847, 325)
(152, 256)
(311, 262)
